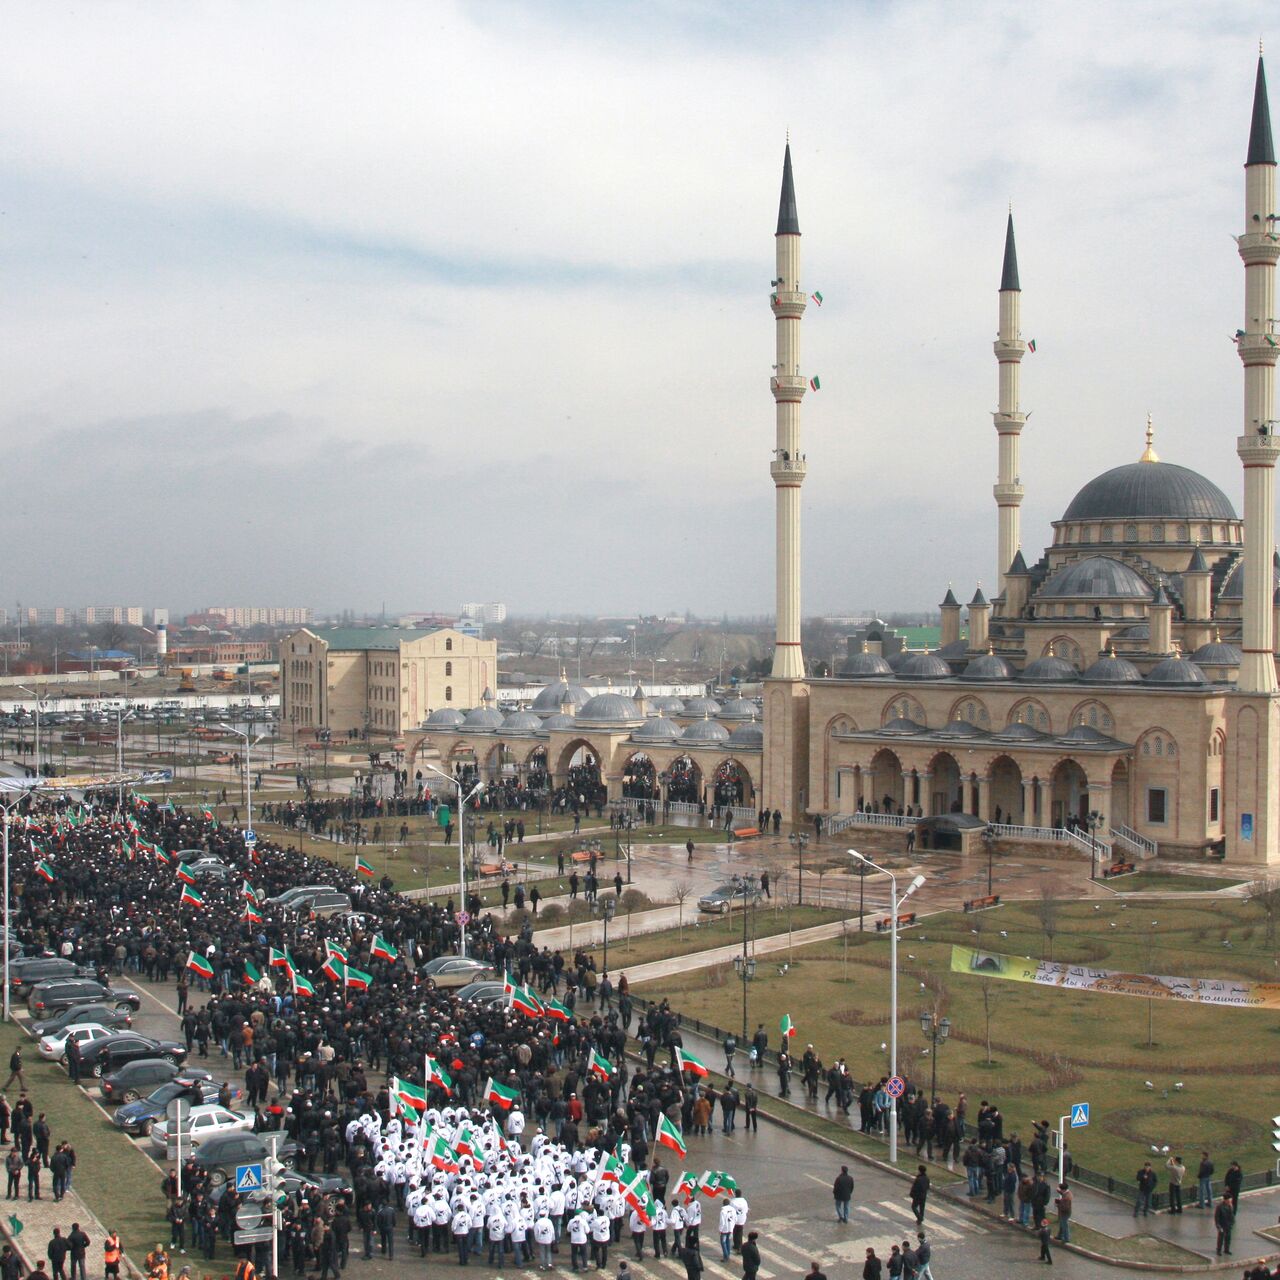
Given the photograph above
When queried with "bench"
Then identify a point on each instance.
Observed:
(582, 855)
(1118, 869)
(745, 833)
(981, 904)
(882, 925)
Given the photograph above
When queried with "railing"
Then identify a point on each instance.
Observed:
(1054, 835)
(1088, 844)
(839, 821)
(1140, 845)
(870, 820)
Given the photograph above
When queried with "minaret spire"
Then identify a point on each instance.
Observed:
(1009, 419)
(788, 466)
(1258, 447)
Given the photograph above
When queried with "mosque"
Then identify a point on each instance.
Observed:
(1120, 692)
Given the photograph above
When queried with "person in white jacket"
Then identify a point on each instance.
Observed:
(544, 1235)
(727, 1220)
(601, 1232)
(659, 1226)
(740, 1211)
(636, 1223)
(579, 1231)
(497, 1237)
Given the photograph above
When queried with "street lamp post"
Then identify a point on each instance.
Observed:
(608, 906)
(249, 745)
(121, 716)
(462, 856)
(799, 840)
(36, 696)
(745, 964)
(894, 903)
(936, 1032)
(1095, 821)
(989, 839)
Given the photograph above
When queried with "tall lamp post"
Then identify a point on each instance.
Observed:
(458, 784)
(989, 841)
(745, 964)
(799, 840)
(895, 902)
(249, 744)
(36, 696)
(121, 716)
(1095, 821)
(936, 1032)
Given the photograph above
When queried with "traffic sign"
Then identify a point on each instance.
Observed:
(1079, 1115)
(259, 1235)
(252, 1214)
(895, 1086)
(248, 1177)
(463, 917)
(251, 836)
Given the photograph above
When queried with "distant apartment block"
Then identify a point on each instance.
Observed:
(240, 616)
(492, 612)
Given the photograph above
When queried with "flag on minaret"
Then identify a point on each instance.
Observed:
(815, 383)
(817, 297)
(1031, 346)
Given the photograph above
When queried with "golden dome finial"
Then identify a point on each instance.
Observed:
(1149, 454)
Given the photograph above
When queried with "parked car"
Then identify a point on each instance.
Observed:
(292, 899)
(107, 1014)
(102, 1057)
(56, 994)
(26, 971)
(457, 971)
(137, 1115)
(329, 904)
(483, 992)
(136, 1079)
(209, 1120)
(53, 1046)
(731, 896)
(220, 1154)
(211, 873)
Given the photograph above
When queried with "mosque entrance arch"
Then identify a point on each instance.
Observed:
(947, 786)
(733, 784)
(1006, 792)
(535, 769)
(1120, 794)
(1068, 794)
(684, 781)
(578, 767)
(886, 783)
(639, 777)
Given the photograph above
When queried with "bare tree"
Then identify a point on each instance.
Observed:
(681, 894)
(1048, 909)
(1266, 894)
(632, 900)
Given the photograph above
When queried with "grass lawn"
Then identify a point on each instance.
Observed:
(1050, 1048)
(1171, 882)
(119, 1183)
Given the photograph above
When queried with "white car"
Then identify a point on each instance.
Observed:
(54, 1045)
(204, 1121)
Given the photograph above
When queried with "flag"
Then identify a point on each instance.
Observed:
(786, 1026)
(436, 1074)
(715, 1183)
(685, 1061)
(199, 964)
(301, 987)
(44, 869)
(408, 1093)
(509, 985)
(526, 1002)
(126, 850)
(464, 1143)
(184, 874)
(611, 1169)
(334, 969)
(1031, 346)
(280, 959)
(554, 1009)
(358, 979)
(817, 297)
(499, 1093)
(599, 1066)
(382, 949)
(635, 1191)
(687, 1186)
(247, 892)
(440, 1154)
(362, 867)
(207, 814)
(669, 1136)
(191, 896)
(815, 382)
(332, 949)
(250, 916)
(252, 974)
(161, 856)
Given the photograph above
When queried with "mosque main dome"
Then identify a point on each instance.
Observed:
(1141, 490)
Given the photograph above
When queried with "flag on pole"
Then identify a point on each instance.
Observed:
(669, 1136)
(635, 1191)
(687, 1186)
(250, 916)
(599, 1066)
(527, 1003)
(332, 949)
(686, 1062)
(207, 814)
(252, 975)
(382, 949)
(440, 1154)
(191, 896)
(362, 867)
(357, 978)
(279, 959)
(44, 870)
(815, 382)
(715, 1183)
(611, 1169)
(554, 1009)
(161, 856)
(199, 964)
(786, 1026)
(334, 968)
(817, 297)
(126, 850)
(500, 1093)
(301, 987)
(409, 1094)
(184, 874)
(436, 1074)
(1031, 346)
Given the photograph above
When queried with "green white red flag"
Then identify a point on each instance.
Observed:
(504, 1096)
(669, 1136)
(198, 964)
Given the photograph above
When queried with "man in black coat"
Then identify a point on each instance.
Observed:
(919, 1193)
(842, 1190)
(750, 1257)
(1224, 1219)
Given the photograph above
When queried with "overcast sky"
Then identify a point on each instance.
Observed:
(338, 304)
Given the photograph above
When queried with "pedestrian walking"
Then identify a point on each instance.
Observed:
(1224, 1219)
(924, 1253)
(919, 1193)
(15, 1071)
(842, 1190)
(871, 1268)
(1043, 1232)
(750, 1257)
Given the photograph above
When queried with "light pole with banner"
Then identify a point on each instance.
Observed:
(462, 854)
(894, 904)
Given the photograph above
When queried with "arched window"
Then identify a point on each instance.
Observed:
(1131, 533)
(1206, 534)
(448, 693)
(448, 668)
(1157, 533)
(1107, 533)
(448, 643)
(1184, 533)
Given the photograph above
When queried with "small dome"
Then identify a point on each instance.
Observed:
(669, 705)
(1176, 670)
(557, 721)
(555, 694)
(902, 727)
(701, 707)
(897, 660)
(1084, 733)
(960, 729)
(956, 649)
(1112, 670)
(750, 737)
(445, 716)
(924, 666)
(1048, 669)
(864, 665)
(1098, 577)
(1141, 489)
(1019, 732)
(1217, 653)
(987, 666)
(482, 720)
(656, 729)
(739, 709)
(1233, 588)
(705, 731)
(521, 722)
(609, 708)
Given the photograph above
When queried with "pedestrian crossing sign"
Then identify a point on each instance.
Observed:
(248, 1177)
(1079, 1115)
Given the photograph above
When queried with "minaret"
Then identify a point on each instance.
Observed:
(1009, 349)
(788, 466)
(1258, 447)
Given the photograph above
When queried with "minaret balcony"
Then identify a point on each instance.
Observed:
(787, 387)
(1260, 449)
(1258, 348)
(790, 306)
(1260, 246)
(1008, 493)
(788, 470)
(1013, 350)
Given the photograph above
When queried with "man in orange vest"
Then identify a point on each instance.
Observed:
(111, 1255)
(245, 1270)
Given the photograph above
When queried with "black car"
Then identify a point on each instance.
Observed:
(137, 1114)
(26, 971)
(107, 1015)
(138, 1077)
(220, 1154)
(56, 994)
(108, 1055)
(211, 873)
